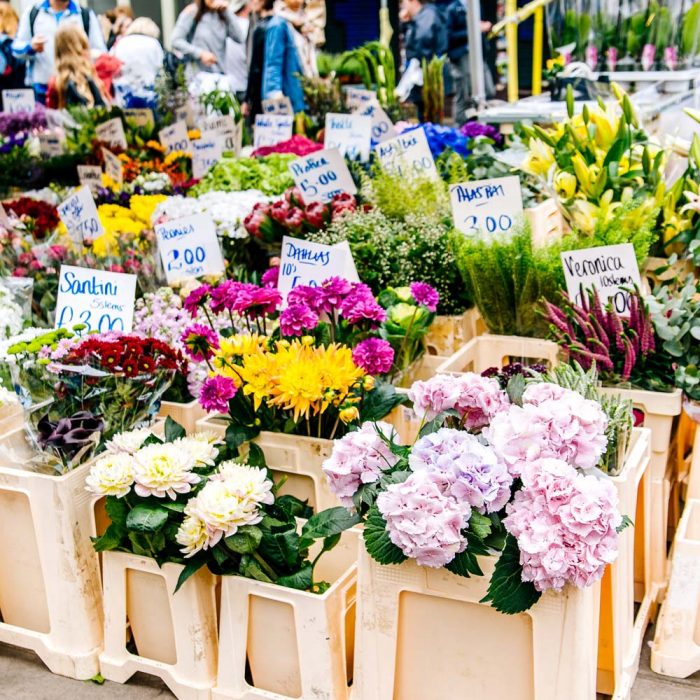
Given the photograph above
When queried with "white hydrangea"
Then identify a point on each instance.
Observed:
(163, 470)
(128, 442)
(112, 475)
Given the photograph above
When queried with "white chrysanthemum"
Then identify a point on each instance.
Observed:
(192, 533)
(203, 452)
(112, 475)
(128, 442)
(231, 500)
(163, 470)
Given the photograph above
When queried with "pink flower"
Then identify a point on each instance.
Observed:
(257, 301)
(360, 305)
(294, 219)
(359, 458)
(374, 355)
(317, 214)
(280, 210)
(199, 342)
(422, 521)
(270, 277)
(342, 203)
(425, 295)
(196, 298)
(215, 394)
(294, 320)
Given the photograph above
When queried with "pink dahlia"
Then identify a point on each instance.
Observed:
(374, 355)
(215, 394)
(297, 319)
(199, 342)
(425, 295)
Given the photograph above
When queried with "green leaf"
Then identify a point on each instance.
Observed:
(236, 435)
(173, 430)
(192, 567)
(569, 101)
(98, 678)
(516, 388)
(380, 402)
(480, 525)
(256, 457)
(465, 564)
(302, 580)
(146, 517)
(220, 555)
(174, 506)
(109, 540)
(117, 511)
(626, 522)
(377, 541)
(293, 507)
(331, 521)
(139, 545)
(245, 541)
(507, 592)
(251, 569)
(281, 549)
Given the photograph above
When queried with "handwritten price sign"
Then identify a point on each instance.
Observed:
(103, 301)
(111, 133)
(486, 206)
(322, 175)
(15, 101)
(205, 153)
(382, 126)
(408, 155)
(351, 134)
(79, 214)
(271, 129)
(225, 127)
(189, 248)
(175, 138)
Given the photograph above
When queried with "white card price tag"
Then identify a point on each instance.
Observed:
(111, 133)
(351, 134)
(79, 214)
(408, 155)
(175, 138)
(322, 175)
(271, 129)
(15, 101)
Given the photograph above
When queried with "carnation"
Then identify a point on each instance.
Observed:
(565, 523)
(163, 470)
(374, 355)
(468, 471)
(359, 458)
(128, 442)
(422, 521)
(112, 475)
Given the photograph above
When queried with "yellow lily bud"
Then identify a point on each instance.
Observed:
(565, 185)
(349, 414)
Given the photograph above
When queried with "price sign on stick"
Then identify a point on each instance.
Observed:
(351, 134)
(15, 101)
(408, 155)
(205, 153)
(175, 138)
(322, 175)
(307, 263)
(140, 117)
(79, 214)
(382, 126)
(113, 166)
(278, 105)
(271, 129)
(90, 175)
(231, 133)
(358, 97)
(610, 269)
(103, 301)
(486, 207)
(189, 248)
(111, 133)
(51, 144)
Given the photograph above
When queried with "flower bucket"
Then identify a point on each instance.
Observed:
(676, 648)
(297, 457)
(660, 411)
(50, 597)
(546, 223)
(186, 414)
(296, 644)
(448, 334)
(411, 644)
(487, 351)
(11, 418)
(621, 633)
(174, 634)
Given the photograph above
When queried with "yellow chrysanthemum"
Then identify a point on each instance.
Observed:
(175, 156)
(143, 205)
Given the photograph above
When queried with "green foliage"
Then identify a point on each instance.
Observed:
(377, 541)
(374, 64)
(690, 32)
(221, 102)
(433, 89)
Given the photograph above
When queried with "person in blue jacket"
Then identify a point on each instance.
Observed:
(288, 54)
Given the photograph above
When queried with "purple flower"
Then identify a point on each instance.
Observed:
(225, 296)
(374, 355)
(197, 298)
(257, 301)
(199, 342)
(425, 295)
(474, 129)
(360, 305)
(294, 320)
(270, 277)
(216, 392)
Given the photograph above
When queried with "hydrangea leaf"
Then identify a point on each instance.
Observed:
(379, 545)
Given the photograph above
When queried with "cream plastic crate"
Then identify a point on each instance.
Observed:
(660, 410)
(621, 633)
(422, 634)
(448, 334)
(487, 351)
(11, 418)
(186, 414)
(546, 223)
(676, 648)
(296, 457)
(50, 597)
(175, 633)
(297, 644)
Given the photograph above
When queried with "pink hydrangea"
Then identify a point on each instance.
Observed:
(374, 355)
(565, 523)
(567, 427)
(470, 472)
(359, 458)
(423, 522)
(477, 399)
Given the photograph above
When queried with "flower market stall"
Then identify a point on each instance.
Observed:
(297, 420)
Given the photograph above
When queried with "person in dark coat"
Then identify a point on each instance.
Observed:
(262, 10)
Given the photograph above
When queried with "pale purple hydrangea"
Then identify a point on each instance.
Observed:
(422, 521)
(565, 523)
(374, 355)
(359, 458)
(469, 471)
(477, 399)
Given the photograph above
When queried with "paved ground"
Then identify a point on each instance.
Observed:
(22, 677)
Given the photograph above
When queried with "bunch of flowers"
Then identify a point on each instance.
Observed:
(23, 121)
(298, 145)
(441, 138)
(624, 348)
(37, 217)
(490, 474)
(476, 130)
(181, 499)
(81, 391)
(11, 315)
(291, 216)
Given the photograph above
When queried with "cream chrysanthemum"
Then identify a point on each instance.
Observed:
(203, 452)
(163, 470)
(112, 475)
(192, 534)
(129, 442)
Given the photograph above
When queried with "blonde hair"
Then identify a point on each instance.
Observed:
(73, 63)
(144, 26)
(8, 19)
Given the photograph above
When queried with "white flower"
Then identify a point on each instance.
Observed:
(129, 442)
(192, 533)
(201, 448)
(163, 470)
(111, 475)
(7, 397)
